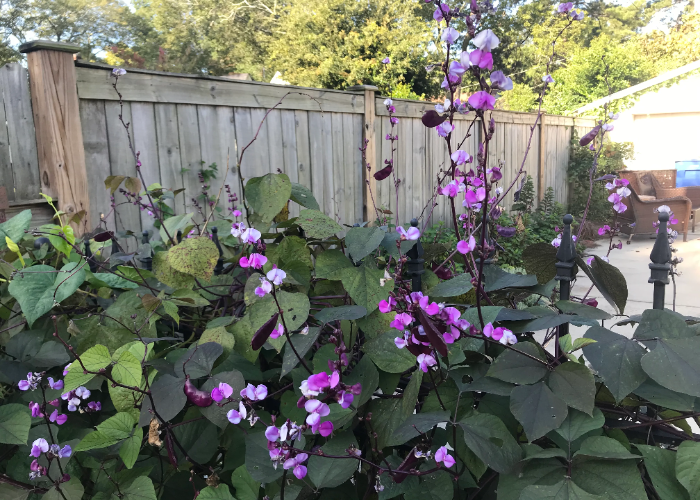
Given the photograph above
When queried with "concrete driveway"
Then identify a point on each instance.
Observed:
(633, 261)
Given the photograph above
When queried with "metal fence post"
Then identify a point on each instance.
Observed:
(566, 263)
(660, 262)
(220, 262)
(415, 263)
(147, 261)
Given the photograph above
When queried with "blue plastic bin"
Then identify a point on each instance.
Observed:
(688, 173)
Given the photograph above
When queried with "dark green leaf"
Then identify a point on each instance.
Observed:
(329, 314)
(140, 489)
(415, 424)
(15, 227)
(50, 354)
(330, 264)
(566, 490)
(331, 472)
(257, 459)
(662, 324)
(389, 244)
(38, 288)
(361, 241)
(604, 447)
(574, 383)
(9, 492)
(480, 382)
(198, 360)
(619, 290)
(688, 467)
(15, 421)
(496, 278)
(302, 344)
(267, 195)
(458, 285)
(366, 374)
(387, 356)
(543, 323)
(168, 396)
(675, 364)
(535, 472)
(129, 451)
(364, 286)
(95, 440)
(220, 492)
(318, 225)
(616, 359)
(488, 438)
(578, 423)
(517, 366)
(661, 466)
(435, 486)
(303, 196)
(537, 409)
(507, 314)
(389, 414)
(199, 439)
(489, 313)
(579, 309)
(539, 259)
(611, 479)
(656, 394)
(72, 490)
(246, 487)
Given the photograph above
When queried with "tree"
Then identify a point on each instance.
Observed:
(337, 44)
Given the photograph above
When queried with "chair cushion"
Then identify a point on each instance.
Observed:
(646, 197)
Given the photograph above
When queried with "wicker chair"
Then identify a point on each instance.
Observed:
(643, 205)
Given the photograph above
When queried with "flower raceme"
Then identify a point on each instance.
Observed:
(255, 260)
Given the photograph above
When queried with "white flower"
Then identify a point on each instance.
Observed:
(118, 72)
(237, 229)
(441, 108)
(276, 275)
(388, 101)
(664, 208)
(486, 40)
(613, 116)
(308, 393)
(250, 235)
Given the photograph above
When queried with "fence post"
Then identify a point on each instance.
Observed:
(660, 262)
(219, 268)
(566, 263)
(369, 135)
(543, 156)
(415, 262)
(59, 137)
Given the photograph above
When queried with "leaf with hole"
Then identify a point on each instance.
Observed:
(538, 409)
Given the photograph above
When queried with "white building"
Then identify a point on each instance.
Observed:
(663, 125)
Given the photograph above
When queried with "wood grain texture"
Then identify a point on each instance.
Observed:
(94, 125)
(19, 137)
(190, 155)
(95, 83)
(146, 144)
(370, 141)
(59, 135)
(169, 159)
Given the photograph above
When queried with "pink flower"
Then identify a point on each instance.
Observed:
(508, 338)
(488, 330)
(441, 455)
(250, 235)
(255, 260)
(400, 342)
(445, 129)
(223, 391)
(59, 419)
(441, 11)
(501, 81)
(235, 416)
(471, 198)
(481, 100)
(38, 447)
(325, 429)
(464, 247)
(449, 35)
(461, 157)
(486, 40)
(386, 306)
(319, 381)
(237, 229)
(236, 213)
(413, 233)
(57, 385)
(272, 433)
(608, 127)
(482, 59)
(386, 60)
(316, 410)
(453, 188)
(254, 393)
(577, 16)
(295, 464)
(401, 321)
(346, 399)
(394, 120)
(616, 200)
(429, 309)
(35, 408)
(425, 361)
(565, 7)
(278, 331)
(264, 288)
(456, 69)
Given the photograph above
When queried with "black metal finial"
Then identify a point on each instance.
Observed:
(220, 262)
(147, 261)
(179, 235)
(415, 263)
(89, 257)
(660, 262)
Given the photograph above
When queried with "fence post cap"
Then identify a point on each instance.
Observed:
(355, 88)
(35, 45)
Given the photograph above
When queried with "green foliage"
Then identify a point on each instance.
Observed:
(611, 160)
(513, 417)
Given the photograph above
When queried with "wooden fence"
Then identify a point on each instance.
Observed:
(179, 123)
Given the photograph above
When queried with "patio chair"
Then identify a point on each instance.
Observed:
(643, 205)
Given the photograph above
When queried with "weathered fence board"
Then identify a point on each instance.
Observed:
(180, 124)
